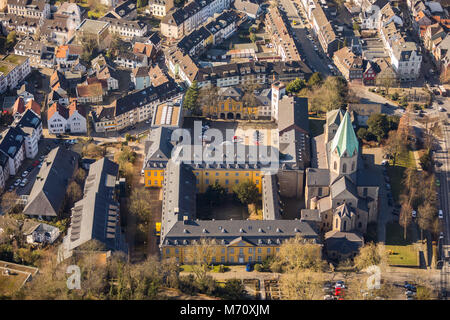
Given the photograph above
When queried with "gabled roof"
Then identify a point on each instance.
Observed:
(48, 192)
(19, 106)
(29, 120)
(33, 105)
(56, 107)
(345, 140)
(343, 188)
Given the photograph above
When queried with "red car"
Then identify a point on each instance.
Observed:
(35, 163)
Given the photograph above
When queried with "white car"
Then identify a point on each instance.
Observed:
(17, 182)
(441, 109)
(441, 214)
(24, 182)
(414, 213)
(24, 174)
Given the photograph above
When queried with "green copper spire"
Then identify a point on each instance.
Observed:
(345, 139)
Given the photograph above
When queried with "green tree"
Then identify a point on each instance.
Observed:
(11, 40)
(247, 192)
(378, 125)
(315, 80)
(295, 85)
(215, 194)
(142, 3)
(252, 37)
(191, 98)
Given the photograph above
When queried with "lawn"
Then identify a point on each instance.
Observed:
(214, 268)
(316, 126)
(396, 172)
(403, 251)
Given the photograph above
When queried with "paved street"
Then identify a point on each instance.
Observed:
(301, 31)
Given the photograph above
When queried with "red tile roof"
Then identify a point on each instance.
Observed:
(56, 107)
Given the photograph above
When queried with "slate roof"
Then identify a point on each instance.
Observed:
(29, 120)
(48, 192)
(343, 188)
(11, 140)
(97, 215)
(257, 232)
(343, 242)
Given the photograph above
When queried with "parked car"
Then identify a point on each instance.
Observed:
(17, 182)
(24, 174)
(388, 186)
(339, 284)
(24, 182)
(441, 235)
(385, 163)
(11, 188)
(35, 163)
(441, 214)
(414, 213)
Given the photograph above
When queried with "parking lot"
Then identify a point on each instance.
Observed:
(23, 181)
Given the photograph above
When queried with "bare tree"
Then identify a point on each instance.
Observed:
(405, 218)
(386, 79)
(305, 285)
(395, 145)
(200, 256)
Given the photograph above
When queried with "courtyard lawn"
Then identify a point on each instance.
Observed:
(316, 126)
(11, 283)
(402, 252)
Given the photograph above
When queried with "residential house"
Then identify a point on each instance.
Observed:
(160, 8)
(249, 8)
(72, 12)
(146, 49)
(47, 196)
(406, 61)
(41, 233)
(32, 49)
(56, 30)
(349, 64)
(125, 29)
(23, 26)
(57, 116)
(108, 74)
(125, 10)
(91, 92)
(131, 60)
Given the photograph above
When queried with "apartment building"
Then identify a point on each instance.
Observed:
(12, 146)
(32, 49)
(31, 125)
(406, 60)
(324, 30)
(13, 69)
(135, 107)
(66, 119)
(182, 21)
(23, 26)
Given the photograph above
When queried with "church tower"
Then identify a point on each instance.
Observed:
(343, 153)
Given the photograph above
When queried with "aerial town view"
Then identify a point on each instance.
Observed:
(215, 150)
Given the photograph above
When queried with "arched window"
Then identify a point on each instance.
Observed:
(344, 168)
(359, 225)
(335, 165)
(337, 222)
(345, 225)
(353, 165)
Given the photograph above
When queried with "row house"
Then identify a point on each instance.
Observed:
(234, 74)
(182, 21)
(146, 49)
(62, 119)
(126, 29)
(144, 77)
(131, 60)
(134, 108)
(280, 36)
(182, 66)
(23, 26)
(160, 8)
(13, 69)
(109, 75)
(324, 31)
